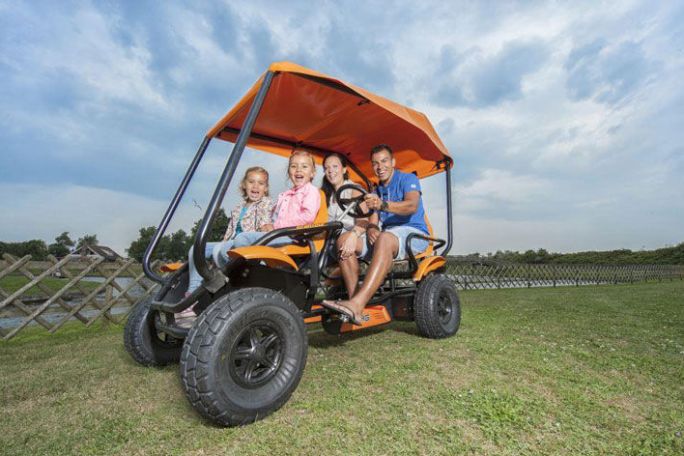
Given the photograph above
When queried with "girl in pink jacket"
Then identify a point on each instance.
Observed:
(296, 206)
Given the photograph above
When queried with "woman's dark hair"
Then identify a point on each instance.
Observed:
(326, 186)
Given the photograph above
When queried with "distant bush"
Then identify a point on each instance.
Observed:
(35, 247)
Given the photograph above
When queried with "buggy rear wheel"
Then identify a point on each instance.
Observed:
(244, 356)
(437, 307)
(144, 343)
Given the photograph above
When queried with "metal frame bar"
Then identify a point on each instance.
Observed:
(450, 222)
(226, 177)
(171, 210)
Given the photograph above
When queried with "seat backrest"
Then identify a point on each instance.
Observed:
(430, 248)
(322, 215)
(319, 240)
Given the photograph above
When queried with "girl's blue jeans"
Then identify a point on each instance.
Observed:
(216, 250)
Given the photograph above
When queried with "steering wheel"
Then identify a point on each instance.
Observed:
(352, 206)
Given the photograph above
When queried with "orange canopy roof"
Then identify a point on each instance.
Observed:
(312, 110)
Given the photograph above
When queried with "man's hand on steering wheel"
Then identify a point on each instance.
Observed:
(353, 205)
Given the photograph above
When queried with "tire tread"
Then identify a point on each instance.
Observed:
(425, 308)
(195, 368)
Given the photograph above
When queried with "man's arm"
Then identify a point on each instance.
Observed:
(407, 207)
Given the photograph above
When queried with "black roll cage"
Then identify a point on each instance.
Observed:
(213, 278)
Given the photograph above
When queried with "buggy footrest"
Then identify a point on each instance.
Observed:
(378, 316)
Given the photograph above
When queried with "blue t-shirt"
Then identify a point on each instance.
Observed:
(238, 224)
(399, 185)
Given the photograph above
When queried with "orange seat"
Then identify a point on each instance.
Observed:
(430, 248)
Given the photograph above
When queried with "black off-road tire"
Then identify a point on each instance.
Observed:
(144, 343)
(437, 307)
(244, 356)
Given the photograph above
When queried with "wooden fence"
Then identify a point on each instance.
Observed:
(50, 293)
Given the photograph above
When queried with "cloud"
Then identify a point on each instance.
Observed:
(477, 80)
(556, 115)
(495, 188)
(114, 216)
(607, 73)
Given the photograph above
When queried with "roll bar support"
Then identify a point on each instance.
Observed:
(217, 198)
(170, 211)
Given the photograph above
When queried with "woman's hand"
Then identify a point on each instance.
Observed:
(348, 248)
(266, 228)
(372, 233)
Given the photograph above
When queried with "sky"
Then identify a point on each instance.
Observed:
(565, 119)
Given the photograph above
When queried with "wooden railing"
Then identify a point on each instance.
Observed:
(50, 293)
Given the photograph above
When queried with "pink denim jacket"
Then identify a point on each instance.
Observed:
(297, 206)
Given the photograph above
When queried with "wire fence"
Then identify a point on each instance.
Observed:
(87, 289)
(470, 275)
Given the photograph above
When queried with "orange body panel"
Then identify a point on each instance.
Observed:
(428, 265)
(378, 316)
(171, 267)
(269, 255)
(311, 108)
(315, 319)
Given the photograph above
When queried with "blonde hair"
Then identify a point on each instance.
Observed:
(243, 182)
(302, 152)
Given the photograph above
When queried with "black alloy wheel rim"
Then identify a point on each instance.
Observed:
(445, 309)
(256, 355)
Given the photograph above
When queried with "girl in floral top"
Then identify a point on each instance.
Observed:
(251, 215)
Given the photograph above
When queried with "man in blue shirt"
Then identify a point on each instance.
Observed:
(399, 209)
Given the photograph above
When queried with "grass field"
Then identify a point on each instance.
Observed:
(588, 370)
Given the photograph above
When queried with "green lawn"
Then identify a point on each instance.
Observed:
(588, 370)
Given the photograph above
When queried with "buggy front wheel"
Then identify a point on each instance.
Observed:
(244, 356)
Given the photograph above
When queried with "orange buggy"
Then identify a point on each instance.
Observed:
(245, 354)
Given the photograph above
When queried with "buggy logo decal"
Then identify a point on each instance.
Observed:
(413, 185)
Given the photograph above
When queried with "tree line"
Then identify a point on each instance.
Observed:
(172, 247)
(665, 255)
(175, 247)
(39, 250)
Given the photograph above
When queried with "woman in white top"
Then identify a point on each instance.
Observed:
(335, 168)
